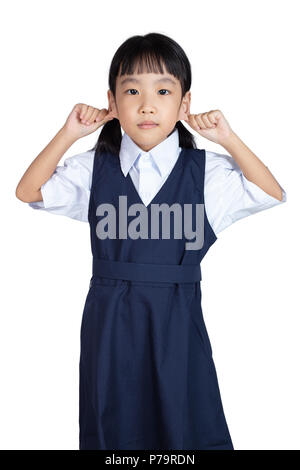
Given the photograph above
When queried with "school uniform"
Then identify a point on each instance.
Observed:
(147, 375)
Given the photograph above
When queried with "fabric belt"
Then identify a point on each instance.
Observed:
(146, 272)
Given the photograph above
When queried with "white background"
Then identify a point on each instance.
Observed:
(245, 59)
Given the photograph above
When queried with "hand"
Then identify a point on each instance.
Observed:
(84, 119)
(211, 125)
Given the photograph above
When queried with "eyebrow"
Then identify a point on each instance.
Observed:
(135, 80)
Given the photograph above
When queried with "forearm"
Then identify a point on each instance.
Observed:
(252, 167)
(43, 166)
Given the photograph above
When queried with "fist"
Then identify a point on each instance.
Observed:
(212, 125)
(84, 119)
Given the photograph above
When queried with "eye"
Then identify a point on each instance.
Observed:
(130, 90)
(133, 89)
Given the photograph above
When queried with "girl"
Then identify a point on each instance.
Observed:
(147, 375)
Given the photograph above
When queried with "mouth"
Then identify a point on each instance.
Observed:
(147, 126)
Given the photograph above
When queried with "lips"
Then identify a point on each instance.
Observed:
(147, 125)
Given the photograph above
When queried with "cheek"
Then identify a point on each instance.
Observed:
(169, 115)
(125, 112)
(170, 108)
(126, 106)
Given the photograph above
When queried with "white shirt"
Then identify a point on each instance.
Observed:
(228, 195)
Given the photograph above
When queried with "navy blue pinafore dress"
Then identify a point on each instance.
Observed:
(147, 379)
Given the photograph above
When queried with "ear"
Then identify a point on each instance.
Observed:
(184, 110)
(112, 105)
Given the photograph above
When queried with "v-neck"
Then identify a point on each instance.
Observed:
(164, 185)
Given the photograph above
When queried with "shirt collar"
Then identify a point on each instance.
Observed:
(164, 154)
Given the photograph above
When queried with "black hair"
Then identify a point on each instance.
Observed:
(150, 51)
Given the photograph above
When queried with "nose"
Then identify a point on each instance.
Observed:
(147, 109)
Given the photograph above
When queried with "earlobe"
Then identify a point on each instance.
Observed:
(111, 105)
(184, 112)
(114, 113)
(185, 107)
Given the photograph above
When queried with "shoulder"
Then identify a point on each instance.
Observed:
(219, 161)
(200, 155)
(215, 165)
(77, 169)
(83, 159)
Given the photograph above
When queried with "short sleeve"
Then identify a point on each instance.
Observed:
(229, 195)
(67, 191)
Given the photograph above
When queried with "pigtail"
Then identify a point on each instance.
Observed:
(186, 139)
(110, 138)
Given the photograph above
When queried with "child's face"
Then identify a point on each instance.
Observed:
(143, 98)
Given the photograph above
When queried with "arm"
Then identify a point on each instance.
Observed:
(44, 165)
(251, 166)
(213, 126)
(41, 169)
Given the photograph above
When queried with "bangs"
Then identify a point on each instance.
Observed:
(151, 61)
(142, 62)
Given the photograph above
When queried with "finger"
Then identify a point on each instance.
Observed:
(109, 116)
(203, 122)
(92, 117)
(84, 108)
(193, 122)
(101, 114)
(199, 123)
(88, 115)
(212, 118)
(206, 121)
(105, 120)
(98, 117)
(78, 108)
